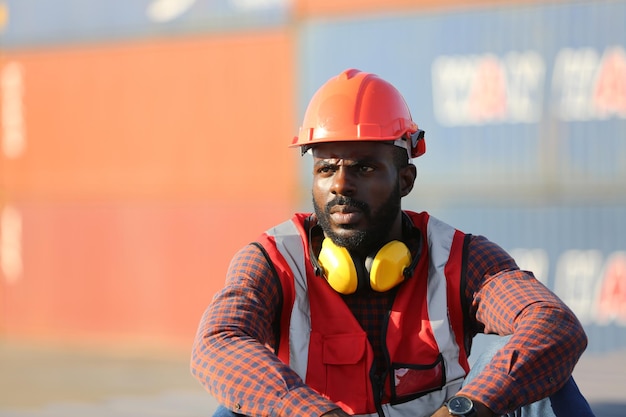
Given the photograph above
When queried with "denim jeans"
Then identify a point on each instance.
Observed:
(566, 402)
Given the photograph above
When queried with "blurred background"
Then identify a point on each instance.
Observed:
(143, 142)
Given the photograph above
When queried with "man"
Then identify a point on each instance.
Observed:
(365, 309)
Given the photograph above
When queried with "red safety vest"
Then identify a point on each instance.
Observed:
(322, 341)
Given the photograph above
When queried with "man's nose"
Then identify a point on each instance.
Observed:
(343, 182)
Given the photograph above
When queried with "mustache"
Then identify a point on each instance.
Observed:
(347, 201)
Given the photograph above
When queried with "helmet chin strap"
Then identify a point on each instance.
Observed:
(411, 142)
(405, 144)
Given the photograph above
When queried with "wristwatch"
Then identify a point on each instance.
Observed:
(461, 406)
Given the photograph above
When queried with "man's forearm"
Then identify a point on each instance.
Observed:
(246, 377)
(535, 363)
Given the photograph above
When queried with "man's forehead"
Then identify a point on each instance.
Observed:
(352, 149)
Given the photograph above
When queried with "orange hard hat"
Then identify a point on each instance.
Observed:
(359, 106)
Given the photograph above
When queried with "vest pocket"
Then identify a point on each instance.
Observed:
(344, 374)
(414, 380)
(344, 349)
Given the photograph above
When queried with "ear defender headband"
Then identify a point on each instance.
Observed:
(390, 266)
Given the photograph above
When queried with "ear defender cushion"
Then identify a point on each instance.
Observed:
(388, 266)
(338, 267)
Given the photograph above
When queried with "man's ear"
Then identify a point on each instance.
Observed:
(407, 176)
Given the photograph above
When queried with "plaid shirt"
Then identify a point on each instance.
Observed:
(232, 360)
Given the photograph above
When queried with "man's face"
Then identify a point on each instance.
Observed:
(357, 190)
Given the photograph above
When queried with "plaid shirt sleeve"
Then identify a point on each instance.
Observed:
(230, 356)
(547, 338)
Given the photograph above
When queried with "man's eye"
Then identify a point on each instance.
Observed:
(366, 168)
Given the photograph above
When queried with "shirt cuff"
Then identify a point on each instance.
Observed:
(500, 392)
(303, 401)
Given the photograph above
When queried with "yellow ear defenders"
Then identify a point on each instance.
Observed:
(391, 264)
(386, 268)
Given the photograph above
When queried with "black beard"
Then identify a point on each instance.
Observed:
(362, 241)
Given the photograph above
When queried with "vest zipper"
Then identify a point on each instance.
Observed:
(378, 388)
(378, 381)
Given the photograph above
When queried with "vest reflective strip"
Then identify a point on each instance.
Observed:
(440, 237)
(289, 244)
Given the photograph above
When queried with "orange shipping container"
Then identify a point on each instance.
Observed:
(158, 119)
(142, 167)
